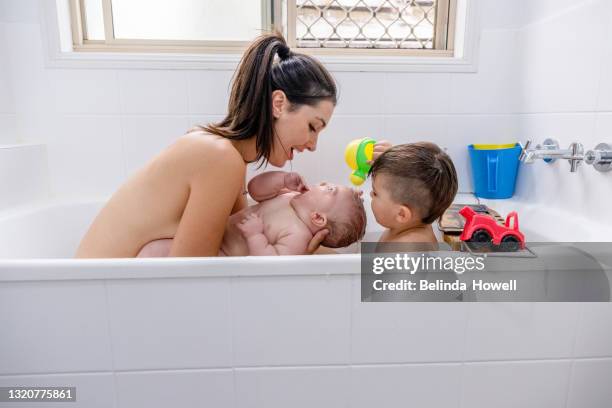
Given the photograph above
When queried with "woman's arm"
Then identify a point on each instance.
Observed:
(213, 189)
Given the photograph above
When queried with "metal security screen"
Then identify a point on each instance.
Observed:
(387, 24)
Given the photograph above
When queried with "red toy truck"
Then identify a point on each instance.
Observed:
(484, 230)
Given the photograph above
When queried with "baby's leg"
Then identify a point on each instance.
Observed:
(157, 248)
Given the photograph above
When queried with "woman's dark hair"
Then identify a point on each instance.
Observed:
(302, 78)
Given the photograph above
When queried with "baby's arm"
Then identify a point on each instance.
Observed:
(252, 229)
(272, 183)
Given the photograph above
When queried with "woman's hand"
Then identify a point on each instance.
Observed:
(380, 148)
(316, 240)
(295, 182)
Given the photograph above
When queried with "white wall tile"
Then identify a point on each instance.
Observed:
(85, 155)
(594, 331)
(53, 327)
(534, 384)
(26, 11)
(176, 388)
(32, 90)
(428, 385)
(7, 101)
(534, 11)
(359, 92)
(153, 92)
(405, 332)
(590, 385)
(190, 317)
(92, 390)
(146, 136)
(23, 174)
(78, 91)
(500, 331)
(8, 129)
(500, 14)
(416, 93)
(209, 91)
(560, 72)
(604, 99)
(306, 320)
(493, 89)
(292, 387)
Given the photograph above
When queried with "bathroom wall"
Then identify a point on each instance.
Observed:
(101, 125)
(8, 117)
(566, 94)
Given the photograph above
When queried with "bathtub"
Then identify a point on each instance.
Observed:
(287, 331)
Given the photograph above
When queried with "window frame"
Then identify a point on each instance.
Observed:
(272, 18)
(59, 51)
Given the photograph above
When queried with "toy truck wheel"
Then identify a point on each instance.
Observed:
(480, 238)
(509, 243)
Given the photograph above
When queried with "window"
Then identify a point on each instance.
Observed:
(414, 27)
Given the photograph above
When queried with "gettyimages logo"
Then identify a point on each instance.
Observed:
(423, 263)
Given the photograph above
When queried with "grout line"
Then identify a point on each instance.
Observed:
(315, 366)
(231, 335)
(337, 115)
(110, 341)
(577, 326)
(352, 285)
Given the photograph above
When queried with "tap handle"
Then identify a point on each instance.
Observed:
(600, 157)
(524, 149)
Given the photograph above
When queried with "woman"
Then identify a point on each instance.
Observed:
(191, 188)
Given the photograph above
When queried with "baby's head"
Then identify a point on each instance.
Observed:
(337, 208)
(412, 184)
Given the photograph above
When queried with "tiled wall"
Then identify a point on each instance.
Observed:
(566, 94)
(107, 123)
(8, 117)
(261, 341)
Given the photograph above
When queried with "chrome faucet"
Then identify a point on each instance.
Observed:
(600, 157)
(549, 152)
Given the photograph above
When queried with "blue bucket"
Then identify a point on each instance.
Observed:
(494, 171)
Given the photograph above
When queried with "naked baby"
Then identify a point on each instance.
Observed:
(285, 219)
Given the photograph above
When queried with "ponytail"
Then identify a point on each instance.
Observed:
(302, 78)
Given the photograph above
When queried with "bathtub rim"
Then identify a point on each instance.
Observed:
(50, 269)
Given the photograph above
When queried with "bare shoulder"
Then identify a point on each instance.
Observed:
(200, 152)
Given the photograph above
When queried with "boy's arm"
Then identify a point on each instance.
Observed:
(272, 183)
(252, 229)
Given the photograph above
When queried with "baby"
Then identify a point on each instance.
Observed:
(287, 216)
(412, 185)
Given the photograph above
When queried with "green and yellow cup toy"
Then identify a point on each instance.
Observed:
(357, 154)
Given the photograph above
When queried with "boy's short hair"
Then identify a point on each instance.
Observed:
(423, 177)
(346, 228)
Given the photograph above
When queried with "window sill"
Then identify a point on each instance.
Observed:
(59, 53)
(230, 61)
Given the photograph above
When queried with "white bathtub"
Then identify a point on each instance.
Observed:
(272, 332)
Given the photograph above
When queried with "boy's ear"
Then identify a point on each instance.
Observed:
(318, 219)
(404, 214)
(279, 99)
